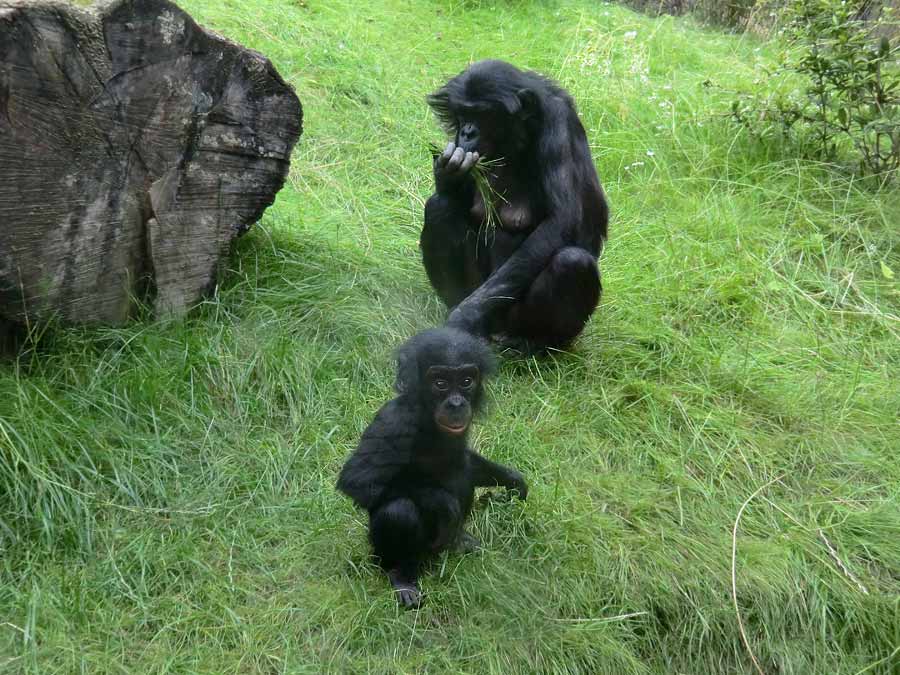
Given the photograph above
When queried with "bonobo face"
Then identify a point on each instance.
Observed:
(477, 130)
(468, 134)
(452, 391)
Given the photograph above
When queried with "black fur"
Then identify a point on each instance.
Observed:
(415, 479)
(535, 279)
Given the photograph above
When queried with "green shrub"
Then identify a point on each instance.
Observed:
(836, 89)
(729, 13)
(757, 16)
(733, 13)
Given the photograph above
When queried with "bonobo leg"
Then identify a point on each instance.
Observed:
(442, 515)
(445, 516)
(397, 534)
(447, 252)
(559, 302)
(486, 473)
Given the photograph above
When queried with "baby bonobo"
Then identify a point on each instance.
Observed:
(413, 470)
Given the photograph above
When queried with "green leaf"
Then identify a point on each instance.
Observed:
(886, 271)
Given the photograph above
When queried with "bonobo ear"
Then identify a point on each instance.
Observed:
(488, 364)
(407, 381)
(529, 101)
(485, 361)
(439, 102)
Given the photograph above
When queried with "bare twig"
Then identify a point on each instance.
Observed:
(840, 564)
(604, 619)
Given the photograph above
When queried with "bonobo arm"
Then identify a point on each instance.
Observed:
(454, 191)
(510, 282)
(558, 157)
(486, 473)
(383, 452)
(443, 238)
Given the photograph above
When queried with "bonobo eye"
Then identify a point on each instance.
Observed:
(441, 385)
(467, 383)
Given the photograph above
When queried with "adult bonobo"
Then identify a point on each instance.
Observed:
(533, 282)
(413, 470)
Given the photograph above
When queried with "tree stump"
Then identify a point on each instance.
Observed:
(134, 147)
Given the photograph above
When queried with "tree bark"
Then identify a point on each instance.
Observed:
(134, 147)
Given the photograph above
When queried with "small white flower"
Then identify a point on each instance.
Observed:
(650, 153)
(630, 35)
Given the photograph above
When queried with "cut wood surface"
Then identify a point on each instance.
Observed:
(134, 146)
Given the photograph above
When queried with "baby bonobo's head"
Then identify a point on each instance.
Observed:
(443, 369)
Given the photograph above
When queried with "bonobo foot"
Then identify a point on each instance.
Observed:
(466, 543)
(408, 594)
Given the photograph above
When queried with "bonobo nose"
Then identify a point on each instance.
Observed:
(456, 401)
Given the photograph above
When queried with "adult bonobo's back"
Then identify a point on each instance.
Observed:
(534, 280)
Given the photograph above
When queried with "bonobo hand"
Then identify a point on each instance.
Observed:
(516, 485)
(465, 317)
(452, 166)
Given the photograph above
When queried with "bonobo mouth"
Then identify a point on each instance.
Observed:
(452, 430)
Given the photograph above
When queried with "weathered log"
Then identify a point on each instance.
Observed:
(134, 147)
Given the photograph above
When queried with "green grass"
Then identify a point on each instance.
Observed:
(166, 489)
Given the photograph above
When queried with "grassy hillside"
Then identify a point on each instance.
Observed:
(166, 489)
